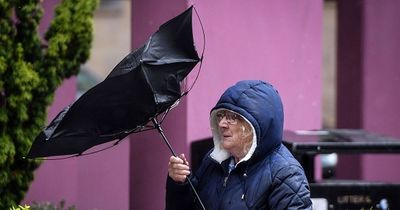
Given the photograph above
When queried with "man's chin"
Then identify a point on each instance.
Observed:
(226, 145)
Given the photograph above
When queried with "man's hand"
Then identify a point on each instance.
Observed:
(178, 168)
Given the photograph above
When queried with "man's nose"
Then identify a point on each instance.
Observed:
(223, 122)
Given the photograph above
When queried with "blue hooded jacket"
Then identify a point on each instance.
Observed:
(269, 177)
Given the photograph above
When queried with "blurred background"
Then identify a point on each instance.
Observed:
(335, 63)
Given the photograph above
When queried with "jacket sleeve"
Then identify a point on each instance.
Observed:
(290, 190)
(178, 196)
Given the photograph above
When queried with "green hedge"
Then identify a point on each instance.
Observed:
(31, 68)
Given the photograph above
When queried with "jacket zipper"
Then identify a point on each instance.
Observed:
(223, 190)
(226, 180)
(231, 167)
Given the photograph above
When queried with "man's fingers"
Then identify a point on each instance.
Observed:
(178, 175)
(181, 169)
(182, 156)
(174, 159)
(180, 159)
(178, 168)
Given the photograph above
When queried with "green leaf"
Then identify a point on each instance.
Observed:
(30, 72)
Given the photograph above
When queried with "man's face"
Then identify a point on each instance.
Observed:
(232, 130)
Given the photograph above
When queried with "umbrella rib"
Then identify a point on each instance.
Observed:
(164, 115)
(202, 53)
(90, 153)
(60, 158)
(204, 34)
(82, 154)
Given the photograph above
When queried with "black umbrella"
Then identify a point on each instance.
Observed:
(145, 84)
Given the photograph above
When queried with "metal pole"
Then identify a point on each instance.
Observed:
(160, 130)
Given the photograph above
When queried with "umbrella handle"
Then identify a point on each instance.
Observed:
(161, 131)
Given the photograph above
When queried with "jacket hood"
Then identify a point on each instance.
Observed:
(259, 103)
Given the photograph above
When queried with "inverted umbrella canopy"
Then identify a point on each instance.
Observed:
(146, 83)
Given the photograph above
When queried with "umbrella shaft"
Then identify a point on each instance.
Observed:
(160, 130)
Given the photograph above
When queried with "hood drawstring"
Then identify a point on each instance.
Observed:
(243, 182)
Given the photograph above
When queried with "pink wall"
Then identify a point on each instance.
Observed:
(277, 41)
(103, 179)
(260, 41)
(381, 81)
